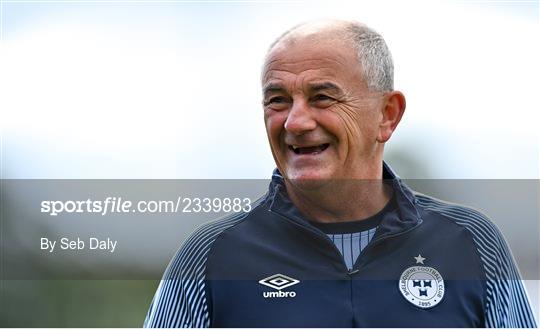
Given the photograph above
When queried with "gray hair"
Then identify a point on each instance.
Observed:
(373, 54)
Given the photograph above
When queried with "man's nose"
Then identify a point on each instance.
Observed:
(300, 118)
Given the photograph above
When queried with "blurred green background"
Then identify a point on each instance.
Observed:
(75, 303)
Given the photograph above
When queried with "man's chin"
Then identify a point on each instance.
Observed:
(309, 180)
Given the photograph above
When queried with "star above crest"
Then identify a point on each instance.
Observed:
(419, 259)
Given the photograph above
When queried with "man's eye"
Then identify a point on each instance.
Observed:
(321, 98)
(275, 100)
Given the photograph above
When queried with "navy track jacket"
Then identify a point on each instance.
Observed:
(429, 264)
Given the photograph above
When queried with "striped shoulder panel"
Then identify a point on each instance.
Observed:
(180, 299)
(507, 303)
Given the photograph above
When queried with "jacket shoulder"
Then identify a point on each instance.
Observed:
(476, 222)
(487, 238)
(194, 252)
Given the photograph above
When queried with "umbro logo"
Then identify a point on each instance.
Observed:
(278, 282)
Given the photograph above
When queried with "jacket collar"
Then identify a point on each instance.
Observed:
(406, 218)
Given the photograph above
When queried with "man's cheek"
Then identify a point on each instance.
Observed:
(274, 119)
(364, 118)
(349, 119)
(274, 129)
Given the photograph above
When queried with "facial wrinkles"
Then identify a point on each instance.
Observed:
(349, 117)
(355, 114)
(300, 65)
(298, 83)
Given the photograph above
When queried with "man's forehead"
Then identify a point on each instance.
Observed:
(315, 46)
(328, 58)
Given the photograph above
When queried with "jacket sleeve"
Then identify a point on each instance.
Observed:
(180, 300)
(507, 303)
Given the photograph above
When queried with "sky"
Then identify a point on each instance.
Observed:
(170, 89)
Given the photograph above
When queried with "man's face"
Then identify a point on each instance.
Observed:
(322, 121)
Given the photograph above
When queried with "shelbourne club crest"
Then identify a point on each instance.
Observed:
(422, 285)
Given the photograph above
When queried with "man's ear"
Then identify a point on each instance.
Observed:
(392, 112)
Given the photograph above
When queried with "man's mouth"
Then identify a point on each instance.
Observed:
(312, 150)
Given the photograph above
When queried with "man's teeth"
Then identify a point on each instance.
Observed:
(315, 149)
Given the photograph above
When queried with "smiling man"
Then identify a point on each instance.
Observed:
(339, 240)
(326, 123)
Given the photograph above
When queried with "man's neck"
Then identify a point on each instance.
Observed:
(341, 200)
